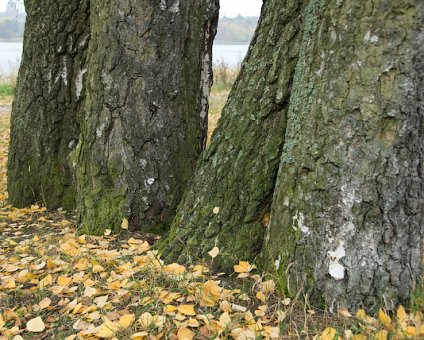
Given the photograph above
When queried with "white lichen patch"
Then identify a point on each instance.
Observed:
(299, 223)
(335, 268)
(79, 82)
(205, 77)
(175, 8)
(277, 263)
(370, 38)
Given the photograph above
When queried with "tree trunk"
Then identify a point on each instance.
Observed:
(48, 99)
(347, 211)
(237, 173)
(347, 216)
(145, 121)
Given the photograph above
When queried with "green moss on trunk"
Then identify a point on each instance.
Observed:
(146, 110)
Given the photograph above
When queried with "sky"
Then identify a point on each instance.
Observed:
(232, 8)
(229, 8)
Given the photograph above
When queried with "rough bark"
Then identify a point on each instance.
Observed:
(347, 216)
(146, 110)
(237, 172)
(47, 103)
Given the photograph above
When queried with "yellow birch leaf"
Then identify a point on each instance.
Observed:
(107, 330)
(384, 318)
(328, 334)
(125, 224)
(401, 314)
(145, 320)
(126, 320)
(360, 314)
(97, 269)
(261, 296)
(410, 331)
(268, 287)
(186, 309)
(381, 335)
(9, 283)
(64, 281)
(174, 269)
(170, 309)
(43, 304)
(243, 267)
(47, 281)
(193, 323)
(214, 252)
(139, 336)
(359, 337)
(224, 320)
(90, 291)
(36, 325)
(185, 334)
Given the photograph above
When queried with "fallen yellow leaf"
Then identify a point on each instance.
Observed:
(125, 224)
(36, 325)
(145, 320)
(243, 267)
(328, 334)
(43, 304)
(186, 309)
(384, 318)
(126, 320)
(214, 252)
(381, 335)
(107, 330)
(64, 281)
(185, 334)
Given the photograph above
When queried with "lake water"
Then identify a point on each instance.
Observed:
(10, 55)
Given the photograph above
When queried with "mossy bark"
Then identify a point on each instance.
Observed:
(145, 121)
(347, 215)
(48, 100)
(237, 172)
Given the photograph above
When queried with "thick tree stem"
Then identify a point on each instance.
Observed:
(146, 111)
(237, 173)
(47, 103)
(347, 216)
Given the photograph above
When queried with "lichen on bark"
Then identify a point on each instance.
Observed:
(47, 104)
(145, 115)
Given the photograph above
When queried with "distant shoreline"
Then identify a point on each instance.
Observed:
(11, 40)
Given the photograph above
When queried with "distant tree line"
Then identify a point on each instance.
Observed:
(237, 30)
(11, 29)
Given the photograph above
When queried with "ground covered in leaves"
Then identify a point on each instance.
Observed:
(55, 284)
